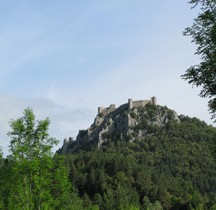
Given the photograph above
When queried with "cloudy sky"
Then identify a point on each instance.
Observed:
(65, 58)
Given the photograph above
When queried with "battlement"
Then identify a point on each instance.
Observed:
(141, 103)
(131, 104)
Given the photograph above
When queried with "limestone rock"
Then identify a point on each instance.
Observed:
(130, 121)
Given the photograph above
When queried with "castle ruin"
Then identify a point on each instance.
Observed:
(105, 111)
(131, 104)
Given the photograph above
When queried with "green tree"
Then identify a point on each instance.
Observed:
(203, 33)
(151, 206)
(1, 153)
(30, 139)
(40, 181)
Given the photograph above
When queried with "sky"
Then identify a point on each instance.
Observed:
(65, 58)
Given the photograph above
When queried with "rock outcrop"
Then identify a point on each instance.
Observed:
(121, 123)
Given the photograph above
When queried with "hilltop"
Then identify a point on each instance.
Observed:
(129, 121)
(143, 156)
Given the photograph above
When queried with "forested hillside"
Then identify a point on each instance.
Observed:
(169, 166)
(154, 160)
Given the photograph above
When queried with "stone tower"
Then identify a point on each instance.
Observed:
(130, 103)
(154, 100)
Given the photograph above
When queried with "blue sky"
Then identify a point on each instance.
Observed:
(66, 58)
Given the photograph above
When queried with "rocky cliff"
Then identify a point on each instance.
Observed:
(121, 123)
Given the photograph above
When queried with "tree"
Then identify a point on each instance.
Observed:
(203, 33)
(30, 148)
(40, 181)
(30, 139)
(1, 153)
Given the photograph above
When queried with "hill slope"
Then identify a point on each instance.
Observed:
(120, 123)
(144, 157)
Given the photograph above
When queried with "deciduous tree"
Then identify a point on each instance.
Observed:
(203, 33)
(40, 181)
(30, 138)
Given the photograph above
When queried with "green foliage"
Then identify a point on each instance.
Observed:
(133, 115)
(151, 206)
(30, 139)
(171, 167)
(1, 153)
(203, 33)
(101, 115)
(31, 178)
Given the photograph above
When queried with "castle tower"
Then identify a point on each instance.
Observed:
(100, 109)
(130, 103)
(154, 100)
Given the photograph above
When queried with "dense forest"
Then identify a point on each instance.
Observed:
(170, 167)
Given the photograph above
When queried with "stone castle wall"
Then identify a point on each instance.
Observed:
(131, 104)
(135, 104)
(141, 103)
(105, 111)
